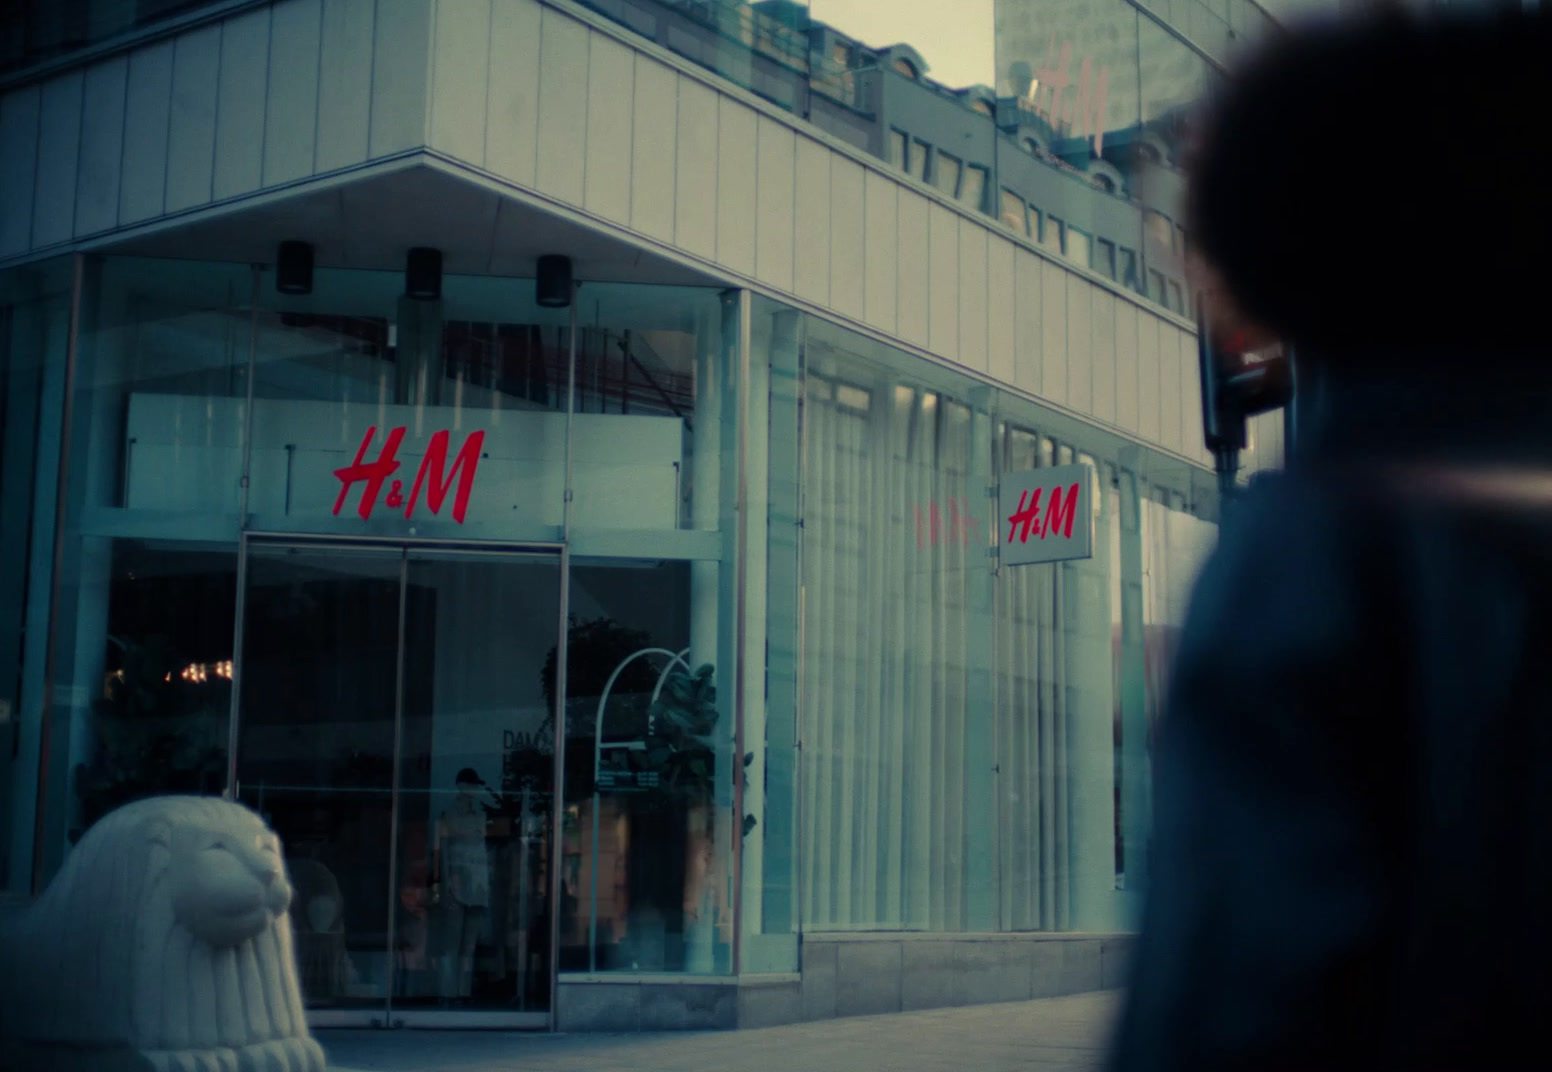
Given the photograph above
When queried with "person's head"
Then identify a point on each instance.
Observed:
(468, 781)
(1374, 187)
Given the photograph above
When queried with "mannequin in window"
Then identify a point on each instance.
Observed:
(460, 892)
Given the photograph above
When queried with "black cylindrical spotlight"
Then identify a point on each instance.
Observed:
(423, 274)
(294, 268)
(552, 288)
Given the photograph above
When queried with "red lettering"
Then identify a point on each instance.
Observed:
(1025, 521)
(1057, 512)
(432, 466)
(430, 475)
(373, 473)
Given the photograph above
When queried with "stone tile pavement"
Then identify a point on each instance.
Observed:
(1051, 1035)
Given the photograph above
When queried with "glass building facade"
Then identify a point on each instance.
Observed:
(660, 636)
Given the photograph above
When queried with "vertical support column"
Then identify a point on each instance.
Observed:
(39, 356)
(775, 452)
(754, 671)
(1091, 729)
(1136, 817)
(981, 703)
(52, 759)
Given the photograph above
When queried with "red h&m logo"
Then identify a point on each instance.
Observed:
(433, 474)
(1026, 521)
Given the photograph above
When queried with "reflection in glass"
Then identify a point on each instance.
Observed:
(319, 683)
(162, 709)
(649, 769)
(475, 781)
(155, 450)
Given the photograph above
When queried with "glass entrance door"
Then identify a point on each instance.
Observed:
(395, 726)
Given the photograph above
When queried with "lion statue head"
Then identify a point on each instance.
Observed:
(165, 939)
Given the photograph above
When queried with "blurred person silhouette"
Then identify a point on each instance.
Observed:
(1352, 844)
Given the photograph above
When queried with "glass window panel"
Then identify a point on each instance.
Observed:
(921, 157)
(151, 525)
(973, 192)
(899, 149)
(1105, 257)
(1126, 268)
(893, 539)
(1014, 214)
(1078, 247)
(946, 176)
(1051, 237)
(1074, 64)
(1160, 229)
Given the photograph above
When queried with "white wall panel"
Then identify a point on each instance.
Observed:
(1001, 311)
(1080, 356)
(1126, 369)
(1028, 322)
(811, 254)
(695, 174)
(512, 110)
(191, 129)
(943, 281)
(19, 115)
(401, 62)
(737, 146)
(344, 83)
(1102, 344)
(1148, 376)
(147, 101)
(1169, 387)
(563, 49)
(59, 146)
(291, 118)
(1053, 333)
(1191, 401)
(655, 149)
(611, 93)
(911, 275)
(102, 146)
(848, 238)
(972, 294)
(774, 199)
(244, 87)
(460, 59)
(880, 251)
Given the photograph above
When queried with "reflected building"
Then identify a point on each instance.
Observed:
(541, 455)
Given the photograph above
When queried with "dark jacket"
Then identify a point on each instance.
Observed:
(1352, 863)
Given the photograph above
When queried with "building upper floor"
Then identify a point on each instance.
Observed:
(219, 128)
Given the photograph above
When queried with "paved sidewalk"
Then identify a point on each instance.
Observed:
(1052, 1035)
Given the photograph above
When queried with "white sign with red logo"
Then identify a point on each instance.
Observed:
(1047, 515)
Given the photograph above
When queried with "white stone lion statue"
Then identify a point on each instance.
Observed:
(163, 944)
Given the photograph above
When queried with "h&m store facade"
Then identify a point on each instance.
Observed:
(591, 635)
